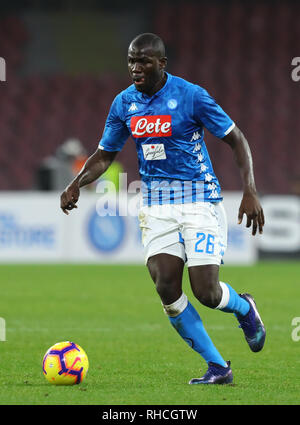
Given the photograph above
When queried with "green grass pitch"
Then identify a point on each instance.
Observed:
(135, 356)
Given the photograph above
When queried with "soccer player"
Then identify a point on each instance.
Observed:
(182, 217)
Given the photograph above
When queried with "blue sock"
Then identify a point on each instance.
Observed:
(190, 327)
(231, 302)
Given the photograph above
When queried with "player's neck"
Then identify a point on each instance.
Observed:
(158, 86)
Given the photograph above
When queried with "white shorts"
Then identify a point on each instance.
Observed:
(195, 232)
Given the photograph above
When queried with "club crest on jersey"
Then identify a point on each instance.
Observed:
(151, 126)
(172, 104)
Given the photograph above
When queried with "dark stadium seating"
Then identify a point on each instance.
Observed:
(241, 53)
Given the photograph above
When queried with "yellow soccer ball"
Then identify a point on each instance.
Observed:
(65, 363)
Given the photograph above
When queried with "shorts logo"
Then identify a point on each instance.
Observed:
(151, 126)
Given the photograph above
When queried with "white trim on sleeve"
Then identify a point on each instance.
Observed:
(229, 129)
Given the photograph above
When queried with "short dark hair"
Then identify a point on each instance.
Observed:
(151, 40)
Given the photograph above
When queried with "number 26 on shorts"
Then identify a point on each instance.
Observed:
(205, 244)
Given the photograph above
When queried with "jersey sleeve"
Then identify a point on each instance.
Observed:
(115, 131)
(210, 114)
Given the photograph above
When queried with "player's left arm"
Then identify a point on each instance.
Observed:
(250, 204)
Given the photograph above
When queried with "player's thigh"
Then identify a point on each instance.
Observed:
(166, 271)
(204, 232)
(160, 231)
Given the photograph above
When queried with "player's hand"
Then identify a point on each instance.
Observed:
(69, 197)
(250, 206)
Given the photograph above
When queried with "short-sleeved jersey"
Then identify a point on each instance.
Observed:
(168, 130)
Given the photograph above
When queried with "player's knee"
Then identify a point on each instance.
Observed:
(209, 294)
(166, 289)
(167, 280)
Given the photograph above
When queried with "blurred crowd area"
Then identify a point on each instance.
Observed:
(66, 63)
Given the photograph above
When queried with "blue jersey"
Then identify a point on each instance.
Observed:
(168, 130)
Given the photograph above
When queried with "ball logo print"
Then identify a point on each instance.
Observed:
(151, 126)
(65, 363)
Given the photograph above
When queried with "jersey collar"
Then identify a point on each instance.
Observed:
(159, 93)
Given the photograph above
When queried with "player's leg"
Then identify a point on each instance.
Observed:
(160, 235)
(205, 285)
(205, 239)
(208, 289)
(166, 271)
(220, 295)
(205, 243)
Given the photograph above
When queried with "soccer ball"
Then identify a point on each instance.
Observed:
(65, 363)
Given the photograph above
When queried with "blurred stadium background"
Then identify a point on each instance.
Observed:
(65, 62)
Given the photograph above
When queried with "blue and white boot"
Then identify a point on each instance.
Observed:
(252, 325)
(216, 374)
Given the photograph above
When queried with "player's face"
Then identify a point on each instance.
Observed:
(145, 68)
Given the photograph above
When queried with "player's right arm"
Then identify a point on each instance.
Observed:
(114, 136)
(94, 167)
